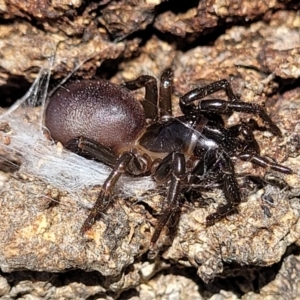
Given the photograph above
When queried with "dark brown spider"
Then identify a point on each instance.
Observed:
(104, 121)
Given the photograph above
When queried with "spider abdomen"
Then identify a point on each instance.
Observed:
(98, 110)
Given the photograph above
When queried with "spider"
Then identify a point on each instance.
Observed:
(104, 121)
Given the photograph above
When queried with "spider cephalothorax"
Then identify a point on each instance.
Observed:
(105, 122)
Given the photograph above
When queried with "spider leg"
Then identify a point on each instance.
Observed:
(248, 135)
(186, 102)
(90, 149)
(173, 167)
(222, 106)
(199, 93)
(230, 186)
(165, 93)
(262, 182)
(202, 174)
(151, 94)
(264, 162)
(231, 191)
(126, 161)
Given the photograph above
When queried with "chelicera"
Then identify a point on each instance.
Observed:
(104, 121)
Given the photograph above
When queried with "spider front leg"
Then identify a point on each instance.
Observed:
(222, 106)
(248, 136)
(186, 101)
(264, 162)
(172, 168)
(251, 151)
